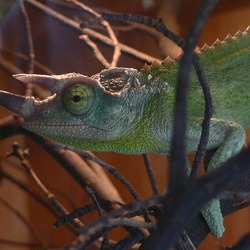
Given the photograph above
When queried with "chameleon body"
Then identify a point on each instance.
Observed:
(126, 111)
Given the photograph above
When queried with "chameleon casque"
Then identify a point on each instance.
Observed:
(126, 111)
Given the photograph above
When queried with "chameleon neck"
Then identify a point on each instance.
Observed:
(226, 66)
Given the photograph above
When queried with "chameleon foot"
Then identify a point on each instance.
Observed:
(213, 217)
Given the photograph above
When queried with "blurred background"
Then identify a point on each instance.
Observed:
(58, 47)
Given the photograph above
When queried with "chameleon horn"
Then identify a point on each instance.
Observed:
(12, 101)
(46, 81)
(24, 106)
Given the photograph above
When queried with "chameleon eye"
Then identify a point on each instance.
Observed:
(78, 99)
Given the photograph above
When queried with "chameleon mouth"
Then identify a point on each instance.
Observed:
(30, 125)
(69, 133)
(74, 130)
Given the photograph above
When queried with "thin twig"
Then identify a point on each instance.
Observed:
(206, 121)
(31, 53)
(97, 52)
(151, 174)
(80, 243)
(104, 39)
(117, 50)
(23, 156)
(85, 172)
(192, 198)
(100, 211)
(136, 26)
(11, 125)
(90, 228)
(106, 166)
(95, 200)
(28, 38)
(110, 224)
(178, 177)
(78, 172)
(76, 213)
(109, 168)
(132, 241)
(125, 222)
(178, 149)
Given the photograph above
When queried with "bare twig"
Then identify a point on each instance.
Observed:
(106, 166)
(28, 37)
(117, 50)
(104, 39)
(137, 205)
(110, 224)
(178, 150)
(23, 156)
(111, 169)
(125, 222)
(132, 241)
(105, 240)
(31, 54)
(178, 177)
(107, 205)
(96, 50)
(206, 121)
(92, 174)
(151, 175)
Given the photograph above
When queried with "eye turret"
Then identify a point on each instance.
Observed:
(78, 98)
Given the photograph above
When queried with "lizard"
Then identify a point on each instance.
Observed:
(129, 111)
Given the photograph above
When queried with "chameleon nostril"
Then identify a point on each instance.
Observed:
(46, 112)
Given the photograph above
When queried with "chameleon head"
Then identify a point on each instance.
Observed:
(95, 108)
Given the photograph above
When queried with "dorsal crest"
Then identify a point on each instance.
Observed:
(227, 39)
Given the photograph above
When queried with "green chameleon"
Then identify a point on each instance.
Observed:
(126, 111)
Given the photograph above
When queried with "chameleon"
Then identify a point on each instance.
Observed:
(129, 111)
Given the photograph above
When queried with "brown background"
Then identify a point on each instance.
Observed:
(59, 48)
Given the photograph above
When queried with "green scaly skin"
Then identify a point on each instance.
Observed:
(131, 112)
